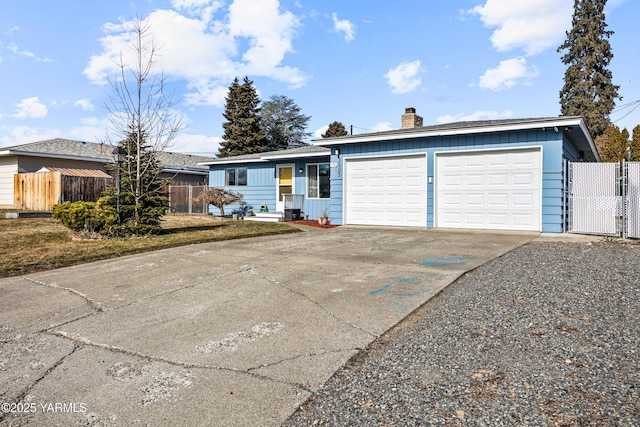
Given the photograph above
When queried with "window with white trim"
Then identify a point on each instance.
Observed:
(318, 181)
(235, 176)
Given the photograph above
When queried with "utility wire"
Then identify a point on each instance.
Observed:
(634, 104)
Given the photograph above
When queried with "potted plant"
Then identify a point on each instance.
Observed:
(323, 219)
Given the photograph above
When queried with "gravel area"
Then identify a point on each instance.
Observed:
(547, 335)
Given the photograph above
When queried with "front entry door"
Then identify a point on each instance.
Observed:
(285, 184)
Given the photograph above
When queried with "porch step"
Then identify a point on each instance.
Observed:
(266, 217)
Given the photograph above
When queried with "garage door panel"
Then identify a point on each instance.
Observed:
(394, 183)
(523, 200)
(498, 161)
(475, 180)
(523, 179)
(399, 200)
(522, 219)
(452, 180)
(525, 160)
(509, 196)
(498, 200)
(475, 218)
(498, 179)
(498, 220)
(413, 182)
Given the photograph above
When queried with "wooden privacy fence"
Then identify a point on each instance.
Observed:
(39, 191)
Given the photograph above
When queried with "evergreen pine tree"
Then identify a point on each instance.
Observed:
(335, 129)
(588, 89)
(243, 133)
(139, 215)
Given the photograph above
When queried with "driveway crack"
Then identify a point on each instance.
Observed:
(80, 341)
(94, 304)
(30, 387)
(299, 356)
(326, 310)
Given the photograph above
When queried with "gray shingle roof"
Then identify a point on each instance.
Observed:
(476, 124)
(98, 151)
(302, 150)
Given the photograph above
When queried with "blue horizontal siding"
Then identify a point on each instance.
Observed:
(261, 185)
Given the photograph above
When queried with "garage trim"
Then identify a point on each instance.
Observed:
(346, 181)
(443, 153)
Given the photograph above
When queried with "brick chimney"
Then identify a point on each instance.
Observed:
(410, 119)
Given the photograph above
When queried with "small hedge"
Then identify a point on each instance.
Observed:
(101, 217)
(92, 217)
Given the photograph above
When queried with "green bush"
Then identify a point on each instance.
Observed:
(76, 216)
(102, 217)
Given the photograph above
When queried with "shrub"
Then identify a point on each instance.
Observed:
(76, 216)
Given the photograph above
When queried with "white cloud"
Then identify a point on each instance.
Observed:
(507, 74)
(477, 115)
(382, 126)
(196, 144)
(532, 25)
(344, 26)
(85, 104)
(31, 108)
(15, 49)
(92, 129)
(23, 134)
(405, 77)
(252, 39)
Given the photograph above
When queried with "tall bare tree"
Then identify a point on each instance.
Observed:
(143, 121)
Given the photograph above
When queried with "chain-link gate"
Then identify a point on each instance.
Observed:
(604, 198)
(632, 208)
(595, 201)
(182, 199)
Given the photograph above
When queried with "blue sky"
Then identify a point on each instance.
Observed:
(359, 62)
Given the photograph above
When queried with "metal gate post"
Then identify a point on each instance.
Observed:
(623, 179)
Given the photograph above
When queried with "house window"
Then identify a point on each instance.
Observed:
(235, 176)
(318, 183)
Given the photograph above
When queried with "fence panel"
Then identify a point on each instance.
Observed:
(633, 200)
(595, 202)
(37, 191)
(182, 199)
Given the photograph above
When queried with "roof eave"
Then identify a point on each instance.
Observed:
(297, 155)
(416, 133)
(54, 156)
(231, 162)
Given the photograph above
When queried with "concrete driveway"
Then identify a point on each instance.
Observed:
(228, 333)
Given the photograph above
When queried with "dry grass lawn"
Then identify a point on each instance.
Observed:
(35, 244)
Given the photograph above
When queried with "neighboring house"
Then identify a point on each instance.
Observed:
(80, 155)
(494, 174)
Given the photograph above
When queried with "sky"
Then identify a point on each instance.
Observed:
(360, 62)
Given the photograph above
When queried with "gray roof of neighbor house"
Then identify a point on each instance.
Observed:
(297, 152)
(573, 127)
(99, 152)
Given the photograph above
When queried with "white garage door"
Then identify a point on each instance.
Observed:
(499, 190)
(386, 191)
